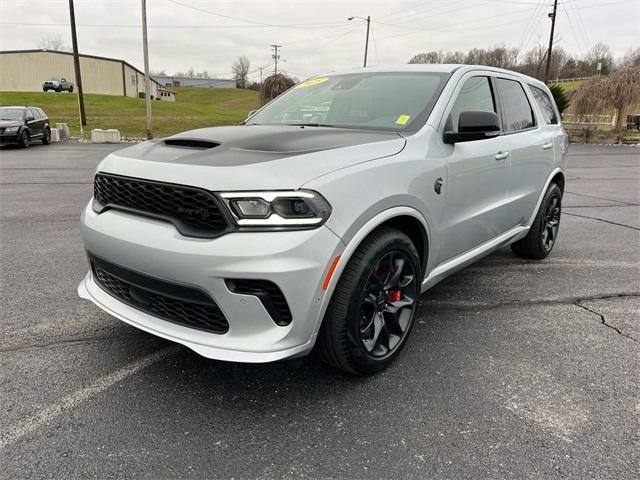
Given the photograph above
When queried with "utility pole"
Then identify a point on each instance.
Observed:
(553, 27)
(366, 42)
(76, 65)
(147, 80)
(275, 57)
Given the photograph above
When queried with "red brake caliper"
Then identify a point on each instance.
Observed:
(395, 296)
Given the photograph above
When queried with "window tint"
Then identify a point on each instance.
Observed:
(516, 110)
(42, 114)
(32, 113)
(546, 105)
(476, 96)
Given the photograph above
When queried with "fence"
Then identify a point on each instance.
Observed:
(595, 120)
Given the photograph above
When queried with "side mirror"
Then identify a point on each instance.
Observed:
(474, 126)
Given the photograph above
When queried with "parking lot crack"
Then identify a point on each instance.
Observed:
(603, 220)
(603, 319)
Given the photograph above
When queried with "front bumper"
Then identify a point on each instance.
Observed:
(9, 138)
(296, 261)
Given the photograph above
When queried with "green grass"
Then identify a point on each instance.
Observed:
(193, 108)
(569, 87)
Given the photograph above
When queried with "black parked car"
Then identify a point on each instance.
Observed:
(21, 125)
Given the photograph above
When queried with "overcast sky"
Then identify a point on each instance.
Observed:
(315, 34)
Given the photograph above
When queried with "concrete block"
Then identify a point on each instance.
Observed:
(55, 135)
(99, 135)
(63, 131)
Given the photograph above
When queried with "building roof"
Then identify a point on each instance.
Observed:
(109, 59)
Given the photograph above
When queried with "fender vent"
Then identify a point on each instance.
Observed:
(190, 143)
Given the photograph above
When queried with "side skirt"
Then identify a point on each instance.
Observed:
(458, 263)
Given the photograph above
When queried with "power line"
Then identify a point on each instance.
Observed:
(202, 10)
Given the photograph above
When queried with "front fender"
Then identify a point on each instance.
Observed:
(352, 244)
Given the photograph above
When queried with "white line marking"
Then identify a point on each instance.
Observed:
(14, 433)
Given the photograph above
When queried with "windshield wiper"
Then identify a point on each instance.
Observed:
(310, 125)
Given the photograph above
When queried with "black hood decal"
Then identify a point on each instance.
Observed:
(250, 144)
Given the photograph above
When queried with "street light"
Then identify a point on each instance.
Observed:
(366, 43)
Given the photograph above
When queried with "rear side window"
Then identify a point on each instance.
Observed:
(516, 110)
(546, 105)
(41, 112)
(475, 96)
(32, 113)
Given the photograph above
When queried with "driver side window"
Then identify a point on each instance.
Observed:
(476, 95)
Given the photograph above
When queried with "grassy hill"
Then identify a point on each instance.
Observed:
(193, 108)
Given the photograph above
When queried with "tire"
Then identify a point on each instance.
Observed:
(71, 89)
(58, 89)
(362, 306)
(544, 231)
(46, 137)
(25, 140)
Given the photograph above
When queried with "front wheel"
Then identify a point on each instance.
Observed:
(543, 233)
(46, 137)
(374, 305)
(25, 140)
(71, 89)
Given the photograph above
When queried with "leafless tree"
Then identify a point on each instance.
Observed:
(428, 57)
(53, 43)
(631, 58)
(618, 90)
(240, 69)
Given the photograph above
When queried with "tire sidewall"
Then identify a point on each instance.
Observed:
(552, 191)
(359, 358)
(46, 138)
(25, 141)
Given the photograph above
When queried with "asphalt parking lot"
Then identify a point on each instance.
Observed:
(515, 368)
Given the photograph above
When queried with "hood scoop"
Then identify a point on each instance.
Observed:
(190, 143)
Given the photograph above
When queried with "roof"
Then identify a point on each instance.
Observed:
(433, 68)
(109, 59)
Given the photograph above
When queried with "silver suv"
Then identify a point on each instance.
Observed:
(321, 219)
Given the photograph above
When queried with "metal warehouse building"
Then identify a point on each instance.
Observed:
(25, 70)
(173, 81)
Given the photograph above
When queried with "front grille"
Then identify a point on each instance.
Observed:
(185, 306)
(195, 212)
(268, 293)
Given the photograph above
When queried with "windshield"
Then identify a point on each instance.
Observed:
(399, 101)
(11, 113)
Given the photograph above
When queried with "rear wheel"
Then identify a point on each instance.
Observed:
(46, 137)
(544, 231)
(374, 305)
(25, 140)
(71, 89)
(58, 89)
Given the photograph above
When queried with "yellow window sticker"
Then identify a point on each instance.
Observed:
(312, 82)
(403, 119)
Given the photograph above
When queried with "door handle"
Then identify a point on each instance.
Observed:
(502, 155)
(547, 146)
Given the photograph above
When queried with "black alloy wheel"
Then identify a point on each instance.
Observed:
(25, 141)
(46, 136)
(543, 233)
(551, 222)
(374, 304)
(388, 301)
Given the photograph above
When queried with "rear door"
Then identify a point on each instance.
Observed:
(530, 144)
(477, 175)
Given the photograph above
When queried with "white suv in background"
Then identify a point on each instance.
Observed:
(322, 218)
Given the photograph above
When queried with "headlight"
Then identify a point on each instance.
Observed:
(299, 208)
(11, 129)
